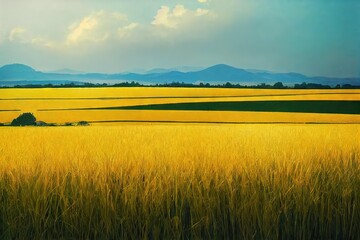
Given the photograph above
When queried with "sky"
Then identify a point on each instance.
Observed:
(313, 37)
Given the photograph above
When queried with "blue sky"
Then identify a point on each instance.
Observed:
(314, 37)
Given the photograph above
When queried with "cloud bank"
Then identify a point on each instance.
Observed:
(312, 37)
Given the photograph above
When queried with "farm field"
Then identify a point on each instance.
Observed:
(181, 163)
(180, 181)
(117, 105)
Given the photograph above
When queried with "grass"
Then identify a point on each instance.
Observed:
(181, 182)
(303, 106)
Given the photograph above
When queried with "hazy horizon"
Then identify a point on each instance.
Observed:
(314, 38)
(184, 69)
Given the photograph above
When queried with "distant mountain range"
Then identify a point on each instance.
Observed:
(19, 74)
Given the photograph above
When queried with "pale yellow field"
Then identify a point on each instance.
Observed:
(152, 91)
(34, 105)
(194, 116)
(34, 100)
(180, 182)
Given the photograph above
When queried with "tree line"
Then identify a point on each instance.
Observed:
(28, 119)
(278, 85)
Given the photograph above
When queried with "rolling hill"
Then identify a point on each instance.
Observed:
(19, 74)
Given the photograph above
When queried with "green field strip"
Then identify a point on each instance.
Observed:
(301, 106)
(173, 97)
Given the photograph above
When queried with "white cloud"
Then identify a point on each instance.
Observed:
(92, 29)
(162, 18)
(88, 30)
(179, 14)
(98, 27)
(179, 10)
(81, 31)
(19, 34)
(125, 31)
(202, 1)
(109, 30)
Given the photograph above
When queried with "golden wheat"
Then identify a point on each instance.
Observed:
(181, 181)
(154, 91)
(33, 100)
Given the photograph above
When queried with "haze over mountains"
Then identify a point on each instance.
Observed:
(19, 74)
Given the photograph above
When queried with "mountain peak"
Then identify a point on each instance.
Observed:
(19, 72)
(16, 68)
(217, 74)
(222, 66)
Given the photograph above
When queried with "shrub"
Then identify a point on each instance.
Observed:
(279, 85)
(83, 123)
(25, 119)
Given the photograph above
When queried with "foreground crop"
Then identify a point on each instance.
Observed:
(181, 181)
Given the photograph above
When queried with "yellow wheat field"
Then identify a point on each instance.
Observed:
(35, 100)
(34, 105)
(180, 182)
(154, 91)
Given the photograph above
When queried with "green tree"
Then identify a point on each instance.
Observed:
(279, 85)
(25, 119)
